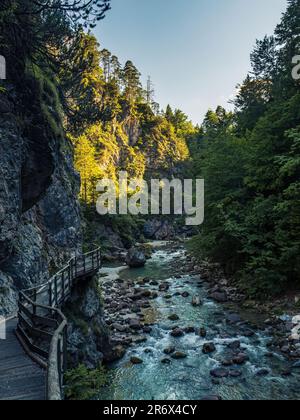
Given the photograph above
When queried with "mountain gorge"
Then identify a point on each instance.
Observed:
(70, 115)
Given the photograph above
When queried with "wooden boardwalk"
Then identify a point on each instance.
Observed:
(38, 326)
(20, 377)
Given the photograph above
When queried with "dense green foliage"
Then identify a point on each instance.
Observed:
(83, 384)
(251, 163)
(122, 129)
(65, 84)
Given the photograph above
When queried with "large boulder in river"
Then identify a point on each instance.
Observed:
(209, 348)
(135, 258)
(177, 332)
(211, 398)
(240, 359)
(219, 373)
(196, 301)
(159, 230)
(220, 297)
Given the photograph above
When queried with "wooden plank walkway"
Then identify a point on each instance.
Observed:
(20, 377)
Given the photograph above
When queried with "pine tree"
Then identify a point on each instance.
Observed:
(106, 64)
(169, 114)
(88, 168)
(132, 83)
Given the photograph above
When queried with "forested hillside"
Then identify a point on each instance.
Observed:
(41, 224)
(70, 101)
(68, 104)
(128, 130)
(250, 160)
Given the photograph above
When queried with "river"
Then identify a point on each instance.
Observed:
(260, 378)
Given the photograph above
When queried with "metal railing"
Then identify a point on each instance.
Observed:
(42, 327)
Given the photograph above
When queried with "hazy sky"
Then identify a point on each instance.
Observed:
(196, 51)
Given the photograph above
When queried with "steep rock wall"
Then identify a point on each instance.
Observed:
(40, 223)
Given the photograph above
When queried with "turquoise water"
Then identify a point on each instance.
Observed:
(189, 379)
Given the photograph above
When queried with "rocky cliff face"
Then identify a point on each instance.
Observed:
(88, 335)
(39, 214)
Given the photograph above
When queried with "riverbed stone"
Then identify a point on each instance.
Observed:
(117, 353)
(233, 318)
(177, 333)
(211, 398)
(296, 365)
(169, 350)
(215, 381)
(240, 359)
(139, 339)
(135, 324)
(219, 373)
(196, 301)
(147, 330)
(208, 348)
(154, 283)
(286, 373)
(203, 332)
(174, 317)
(179, 355)
(235, 345)
(190, 330)
(248, 333)
(136, 360)
(135, 258)
(235, 373)
(262, 372)
(220, 297)
(227, 363)
(164, 287)
(147, 293)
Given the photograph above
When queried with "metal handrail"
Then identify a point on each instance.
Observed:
(31, 322)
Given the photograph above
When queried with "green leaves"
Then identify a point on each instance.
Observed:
(252, 171)
(83, 384)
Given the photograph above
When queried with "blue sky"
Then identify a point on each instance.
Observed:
(196, 51)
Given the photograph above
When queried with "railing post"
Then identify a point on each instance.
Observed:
(70, 275)
(59, 353)
(34, 300)
(65, 348)
(75, 268)
(63, 286)
(56, 291)
(99, 258)
(50, 294)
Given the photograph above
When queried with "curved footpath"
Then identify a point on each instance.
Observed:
(20, 377)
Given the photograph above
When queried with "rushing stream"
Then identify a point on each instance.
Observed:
(189, 378)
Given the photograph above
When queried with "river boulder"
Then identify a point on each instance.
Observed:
(179, 355)
(196, 301)
(240, 359)
(136, 258)
(220, 297)
(208, 348)
(177, 333)
(136, 361)
(211, 398)
(219, 373)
